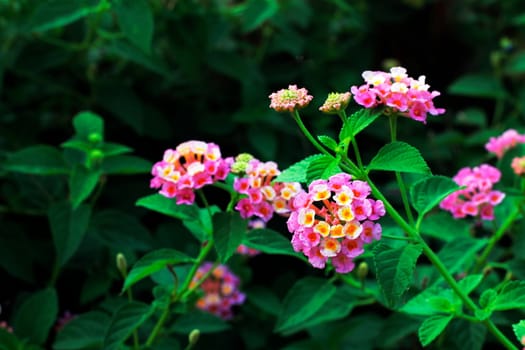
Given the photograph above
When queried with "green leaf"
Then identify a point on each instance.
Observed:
(426, 193)
(443, 226)
(516, 64)
(265, 299)
(87, 123)
(59, 13)
(85, 331)
(297, 171)
(82, 182)
(336, 308)
(328, 142)
(135, 19)
(487, 298)
(37, 160)
(169, 207)
(270, 242)
(126, 165)
(203, 227)
(304, 299)
(469, 283)
(477, 85)
(458, 254)
(127, 51)
(153, 262)
(322, 168)
(441, 304)
(229, 230)
(467, 335)
(432, 327)
(8, 341)
(357, 122)
(428, 302)
(511, 296)
(203, 321)
(112, 149)
(36, 315)
(125, 320)
(395, 269)
(68, 227)
(399, 156)
(519, 330)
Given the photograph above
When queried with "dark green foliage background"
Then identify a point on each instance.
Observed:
(204, 72)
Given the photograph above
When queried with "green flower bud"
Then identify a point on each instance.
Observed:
(95, 138)
(193, 337)
(362, 270)
(122, 264)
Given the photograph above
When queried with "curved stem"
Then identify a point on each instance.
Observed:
(306, 132)
(495, 238)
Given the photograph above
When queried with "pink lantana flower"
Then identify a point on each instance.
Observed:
(518, 165)
(261, 197)
(288, 100)
(501, 144)
(396, 90)
(220, 290)
(333, 220)
(478, 198)
(192, 165)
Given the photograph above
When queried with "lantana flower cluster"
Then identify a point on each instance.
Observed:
(478, 198)
(333, 220)
(263, 197)
(192, 165)
(220, 290)
(501, 144)
(288, 100)
(395, 89)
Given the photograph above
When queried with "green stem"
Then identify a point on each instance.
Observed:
(495, 238)
(160, 323)
(306, 132)
(401, 184)
(399, 238)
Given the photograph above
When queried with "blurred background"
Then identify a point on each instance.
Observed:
(161, 72)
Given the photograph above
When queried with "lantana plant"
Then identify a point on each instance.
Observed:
(363, 245)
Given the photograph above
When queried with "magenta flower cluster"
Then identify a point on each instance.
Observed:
(395, 89)
(333, 220)
(220, 290)
(478, 198)
(192, 165)
(262, 198)
(501, 144)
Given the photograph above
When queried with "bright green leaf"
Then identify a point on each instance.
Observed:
(125, 320)
(135, 19)
(519, 330)
(36, 315)
(441, 304)
(469, 283)
(37, 160)
(421, 305)
(328, 142)
(125, 165)
(304, 299)
(153, 262)
(395, 269)
(169, 207)
(82, 182)
(229, 230)
(399, 156)
(357, 122)
(511, 296)
(87, 123)
(203, 321)
(85, 331)
(487, 298)
(297, 171)
(458, 254)
(432, 327)
(322, 168)
(426, 193)
(112, 149)
(68, 227)
(270, 242)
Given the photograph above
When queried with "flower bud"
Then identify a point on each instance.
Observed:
(193, 337)
(362, 270)
(95, 138)
(335, 102)
(122, 264)
(95, 157)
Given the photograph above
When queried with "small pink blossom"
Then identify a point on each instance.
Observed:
(333, 220)
(478, 197)
(396, 90)
(501, 144)
(220, 290)
(288, 100)
(335, 102)
(192, 165)
(4, 325)
(518, 165)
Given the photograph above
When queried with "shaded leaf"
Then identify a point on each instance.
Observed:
(270, 242)
(125, 320)
(203, 321)
(477, 85)
(135, 19)
(82, 182)
(426, 193)
(229, 230)
(126, 165)
(85, 331)
(37, 160)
